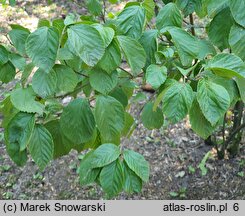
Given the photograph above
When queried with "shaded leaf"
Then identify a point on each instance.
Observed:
(7, 72)
(198, 121)
(219, 29)
(44, 84)
(102, 81)
(152, 119)
(77, 121)
(67, 79)
(112, 178)
(109, 116)
(41, 146)
(132, 182)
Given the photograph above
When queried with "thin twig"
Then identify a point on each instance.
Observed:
(131, 75)
(67, 94)
(9, 40)
(81, 74)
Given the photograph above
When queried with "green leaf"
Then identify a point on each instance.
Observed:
(133, 52)
(104, 155)
(8, 111)
(44, 84)
(67, 79)
(189, 6)
(241, 86)
(205, 49)
(149, 6)
(24, 100)
(120, 95)
(132, 182)
(12, 2)
(109, 116)
(112, 178)
(215, 6)
(237, 41)
(156, 75)
(43, 23)
(26, 73)
(86, 42)
(219, 29)
(77, 121)
(149, 43)
(229, 85)
(113, 1)
(177, 101)
(90, 176)
(41, 146)
(87, 173)
(71, 19)
(7, 72)
(65, 54)
(102, 81)
(16, 26)
(186, 44)
(129, 122)
(152, 119)
(237, 10)
(112, 57)
(168, 83)
(62, 145)
(59, 24)
(17, 136)
(106, 33)
(13, 150)
(130, 22)
(94, 7)
(227, 65)
(139, 97)
(20, 129)
(137, 163)
(169, 15)
(42, 46)
(4, 55)
(127, 86)
(213, 100)
(198, 121)
(18, 38)
(18, 61)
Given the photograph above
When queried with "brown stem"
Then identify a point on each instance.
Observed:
(156, 9)
(223, 128)
(242, 126)
(192, 25)
(237, 125)
(104, 11)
